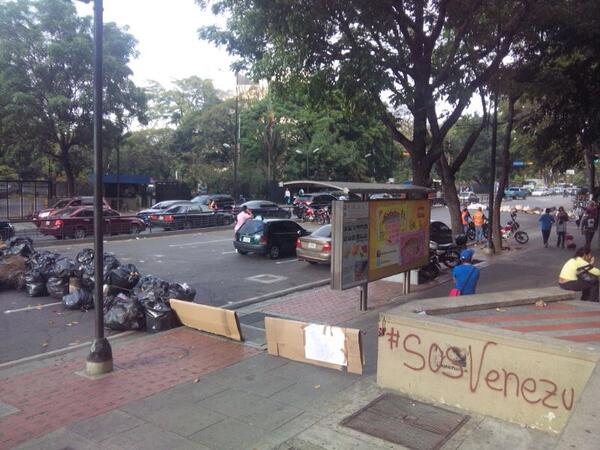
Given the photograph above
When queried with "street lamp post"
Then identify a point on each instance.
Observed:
(99, 361)
(300, 152)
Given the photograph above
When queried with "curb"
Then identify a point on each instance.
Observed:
(282, 293)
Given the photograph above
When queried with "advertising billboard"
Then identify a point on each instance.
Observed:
(398, 236)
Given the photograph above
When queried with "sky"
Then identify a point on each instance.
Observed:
(168, 43)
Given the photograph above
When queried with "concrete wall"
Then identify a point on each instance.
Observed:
(497, 373)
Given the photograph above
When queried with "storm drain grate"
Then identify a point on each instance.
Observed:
(406, 422)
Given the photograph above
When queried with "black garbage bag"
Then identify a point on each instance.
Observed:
(35, 286)
(182, 291)
(63, 267)
(86, 274)
(22, 246)
(123, 279)
(159, 316)
(57, 287)
(80, 299)
(85, 256)
(109, 262)
(152, 289)
(44, 262)
(124, 312)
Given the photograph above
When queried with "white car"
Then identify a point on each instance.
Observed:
(538, 193)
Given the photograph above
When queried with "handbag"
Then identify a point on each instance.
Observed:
(455, 292)
(583, 274)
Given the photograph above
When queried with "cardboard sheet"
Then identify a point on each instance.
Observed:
(208, 318)
(286, 338)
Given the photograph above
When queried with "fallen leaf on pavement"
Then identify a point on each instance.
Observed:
(196, 380)
(45, 344)
(317, 386)
(500, 309)
(541, 304)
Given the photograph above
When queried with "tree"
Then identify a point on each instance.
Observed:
(424, 52)
(46, 86)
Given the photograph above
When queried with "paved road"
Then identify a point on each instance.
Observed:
(206, 260)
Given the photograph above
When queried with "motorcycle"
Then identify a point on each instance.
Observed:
(446, 254)
(322, 216)
(512, 230)
(308, 215)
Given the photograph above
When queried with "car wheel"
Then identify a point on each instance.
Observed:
(79, 233)
(135, 229)
(274, 252)
(452, 259)
(228, 220)
(242, 252)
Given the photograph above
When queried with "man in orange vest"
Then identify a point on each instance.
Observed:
(478, 221)
(465, 218)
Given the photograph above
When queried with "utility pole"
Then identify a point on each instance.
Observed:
(491, 226)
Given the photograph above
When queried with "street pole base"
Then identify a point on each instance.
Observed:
(99, 361)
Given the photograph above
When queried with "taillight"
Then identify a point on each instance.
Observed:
(263, 240)
(298, 243)
(168, 218)
(326, 247)
(153, 217)
(58, 223)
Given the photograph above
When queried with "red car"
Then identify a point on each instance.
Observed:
(78, 222)
(43, 214)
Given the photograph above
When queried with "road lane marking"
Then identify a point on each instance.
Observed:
(199, 243)
(266, 278)
(288, 261)
(10, 311)
(228, 253)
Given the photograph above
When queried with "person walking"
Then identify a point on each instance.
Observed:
(466, 275)
(287, 196)
(546, 221)
(478, 221)
(579, 274)
(561, 226)
(465, 218)
(589, 222)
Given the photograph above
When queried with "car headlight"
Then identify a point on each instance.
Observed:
(44, 214)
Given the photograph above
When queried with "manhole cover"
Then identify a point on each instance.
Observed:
(406, 422)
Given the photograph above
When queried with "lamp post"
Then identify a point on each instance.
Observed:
(300, 152)
(99, 361)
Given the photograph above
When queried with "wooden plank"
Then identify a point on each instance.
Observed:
(211, 319)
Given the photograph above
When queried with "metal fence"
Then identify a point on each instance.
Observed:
(20, 199)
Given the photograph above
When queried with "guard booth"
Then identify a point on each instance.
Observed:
(375, 238)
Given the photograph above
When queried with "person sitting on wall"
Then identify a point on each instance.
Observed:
(579, 274)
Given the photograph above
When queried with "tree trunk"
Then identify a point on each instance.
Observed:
(421, 172)
(505, 165)
(68, 168)
(450, 194)
(588, 156)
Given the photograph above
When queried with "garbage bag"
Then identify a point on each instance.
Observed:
(124, 312)
(35, 286)
(152, 289)
(109, 262)
(63, 267)
(80, 299)
(123, 278)
(182, 291)
(44, 262)
(159, 316)
(85, 256)
(57, 287)
(86, 274)
(12, 271)
(22, 246)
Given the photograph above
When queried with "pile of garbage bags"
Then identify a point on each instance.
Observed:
(131, 301)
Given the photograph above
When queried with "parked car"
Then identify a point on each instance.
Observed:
(265, 208)
(273, 237)
(181, 217)
(315, 247)
(224, 202)
(440, 233)
(78, 222)
(468, 197)
(160, 207)
(6, 230)
(43, 214)
(515, 193)
(538, 192)
(316, 200)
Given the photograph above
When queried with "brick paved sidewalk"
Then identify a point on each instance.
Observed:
(48, 398)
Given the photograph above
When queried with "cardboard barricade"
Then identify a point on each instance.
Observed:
(320, 345)
(211, 319)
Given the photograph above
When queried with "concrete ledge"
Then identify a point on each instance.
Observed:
(528, 379)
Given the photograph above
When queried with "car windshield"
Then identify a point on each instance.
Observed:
(253, 204)
(174, 209)
(68, 211)
(305, 198)
(61, 204)
(252, 227)
(202, 199)
(323, 232)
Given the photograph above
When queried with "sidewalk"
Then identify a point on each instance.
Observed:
(186, 389)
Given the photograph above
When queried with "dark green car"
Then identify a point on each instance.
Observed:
(273, 237)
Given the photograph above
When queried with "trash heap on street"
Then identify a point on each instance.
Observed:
(131, 301)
